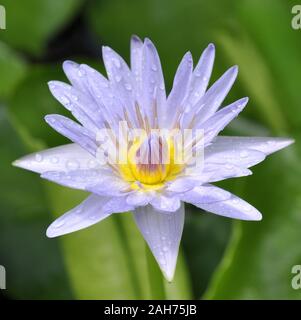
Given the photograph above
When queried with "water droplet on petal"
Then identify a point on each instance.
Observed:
(244, 154)
(72, 164)
(118, 78)
(38, 157)
(165, 248)
(154, 67)
(58, 223)
(128, 87)
(54, 160)
(117, 63)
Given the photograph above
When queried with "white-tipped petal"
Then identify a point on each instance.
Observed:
(89, 212)
(80, 104)
(87, 180)
(152, 90)
(231, 206)
(62, 158)
(201, 74)
(239, 157)
(220, 119)
(266, 145)
(163, 233)
(216, 94)
(73, 131)
(165, 203)
(180, 87)
(139, 198)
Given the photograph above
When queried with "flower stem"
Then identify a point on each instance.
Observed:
(156, 280)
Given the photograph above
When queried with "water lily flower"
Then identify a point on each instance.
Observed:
(154, 191)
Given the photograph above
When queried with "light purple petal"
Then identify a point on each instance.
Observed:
(165, 203)
(216, 94)
(183, 184)
(62, 158)
(74, 75)
(201, 75)
(219, 121)
(73, 131)
(91, 180)
(180, 86)
(102, 92)
(232, 206)
(139, 198)
(153, 87)
(265, 145)
(90, 211)
(163, 233)
(215, 154)
(136, 61)
(217, 172)
(121, 80)
(84, 108)
(205, 194)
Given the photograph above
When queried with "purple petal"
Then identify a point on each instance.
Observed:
(73, 131)
(58, 159)
(84, 109)
(232, 206)
(220, 120)
(214, 97)
(163, 233)
(201, 74)
(90, 211)
(165, 203)
(265, 145)
(180, 86)
(85, 179)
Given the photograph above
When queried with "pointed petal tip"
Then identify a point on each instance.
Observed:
(17, 163)
(211, 46)
(50, 233)
(168, 275)
(68, 63)
(234, 69)
(135, 38)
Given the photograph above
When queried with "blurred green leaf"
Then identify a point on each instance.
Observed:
(268, 24)
(34, 265)
(205, 239)
(13, 69)
(31, 23)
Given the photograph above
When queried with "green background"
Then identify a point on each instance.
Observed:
(220, 258)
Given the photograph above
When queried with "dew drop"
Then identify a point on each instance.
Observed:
(165, 248)
(72, 164)
(128, 87)
(163, 238)
(64, 100)
(229, 166)
(58, 223)
(154, 67)
(117, 63)
(39, 157)
(244, 154)
(118, 78)
(54, 160)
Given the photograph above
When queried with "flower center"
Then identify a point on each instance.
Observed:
(150, 163)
